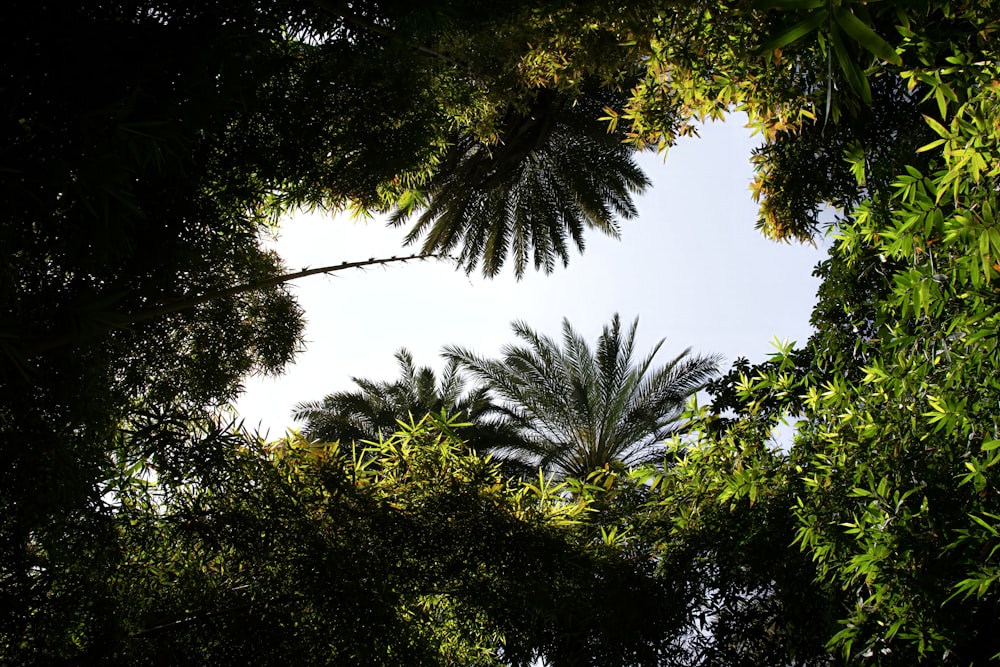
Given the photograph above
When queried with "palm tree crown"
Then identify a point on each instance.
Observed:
(555, 172)
(583, 409)
(374, 409)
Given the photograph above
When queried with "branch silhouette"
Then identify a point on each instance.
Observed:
(343, 11)
(191, 301)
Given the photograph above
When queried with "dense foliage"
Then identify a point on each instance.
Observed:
(332, 555)
(146, 146)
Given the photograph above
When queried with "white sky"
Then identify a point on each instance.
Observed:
(691, 266)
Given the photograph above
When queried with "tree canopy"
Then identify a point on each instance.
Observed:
(377, 408)
(581, 409)
(555, 172)
(333, 557)
(146, 147)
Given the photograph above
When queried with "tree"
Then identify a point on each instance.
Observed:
(139, 174)
(583, 410)
(890, 477)
(144, 171)
(720, 524)
(554, 172)
(376, 410)
(310, 550)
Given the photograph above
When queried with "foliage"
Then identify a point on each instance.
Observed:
(377, 408)
(891, 471)
(554, 173)
(888, 487)
(416, 550)
(721, 531)
(582, 410)
(140, 174)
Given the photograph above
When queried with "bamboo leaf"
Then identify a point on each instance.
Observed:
(854, 75)
(867, 37)
(990, 445)
(937, 127)
(797, 31)
(930, 146)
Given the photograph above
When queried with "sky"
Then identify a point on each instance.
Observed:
(691, 266)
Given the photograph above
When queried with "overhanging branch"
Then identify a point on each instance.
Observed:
(191, 301)
(344, 12)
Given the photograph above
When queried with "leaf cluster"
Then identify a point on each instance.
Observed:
(415, 549)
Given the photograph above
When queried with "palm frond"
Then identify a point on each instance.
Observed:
(581, 408)
(376, 406)
(556, 173)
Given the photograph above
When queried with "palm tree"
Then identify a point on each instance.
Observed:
(581, 410)
(373, 410)
(555, 172)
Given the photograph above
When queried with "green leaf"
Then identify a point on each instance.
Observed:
(797, 31)
(410, 199)
(982, 522)
(942, 99)
(854, 75)
(940, 129)
(931, 146)
(855, 156)
(867, 37)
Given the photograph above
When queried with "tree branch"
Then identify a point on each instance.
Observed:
(191, 301)
(343, 11)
